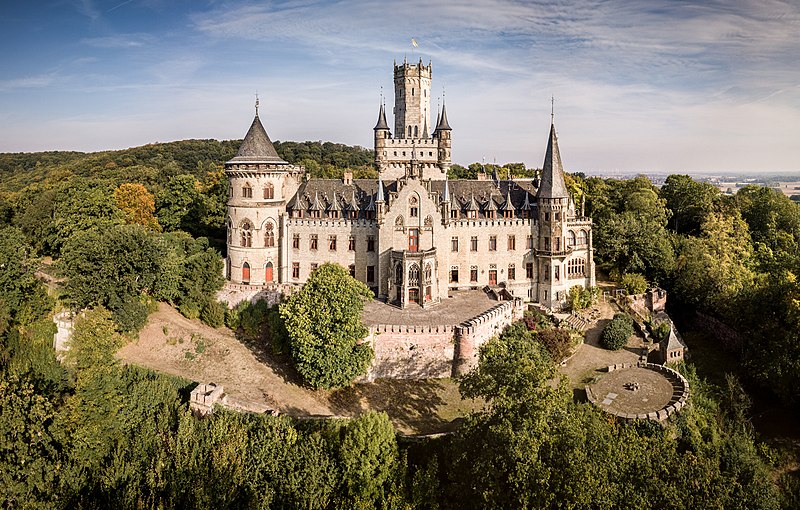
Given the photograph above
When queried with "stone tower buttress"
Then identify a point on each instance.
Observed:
(412, 99)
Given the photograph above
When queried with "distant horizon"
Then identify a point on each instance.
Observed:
(638, 84)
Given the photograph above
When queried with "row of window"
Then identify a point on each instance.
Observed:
(313, 242)
(511, 243)
(352, 268)
(473, 273)
(268, 190)
(334, 215)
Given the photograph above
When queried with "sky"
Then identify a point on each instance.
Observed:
(639, 85)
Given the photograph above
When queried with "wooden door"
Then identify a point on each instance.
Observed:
(246, 273)
(268, 273)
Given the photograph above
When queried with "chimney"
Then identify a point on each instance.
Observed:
(348, 178)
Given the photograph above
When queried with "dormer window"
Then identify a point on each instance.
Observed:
(247, 191)
(472, 214)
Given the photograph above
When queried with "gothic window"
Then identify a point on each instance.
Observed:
(556, 273)
(312, 243)
(557, 242)
(370, 243)
(428, 273)
(409, 135)
(296, 241)
(398, 274)
(576, 268)
(414, 207)
(581, 237)
(230, 231)
(351, 244)
(332, 243)
(370, 274)
(473, 243)
(529, 270)
(473, 274)
(547, 272)
(269, 235)
(556, 216)
(247, 234)
(295, 270)
(529, 242)
(512, 272)
(413, 276)
(352, 268)
(547, 216)
(247, 191)
(492, 243)
(512, 243)
(454, 274)
(454, 243)
(571, 239)
(416, 131)
(269, 191)
(547, 243)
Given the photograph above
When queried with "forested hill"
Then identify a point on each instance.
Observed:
(160, 161)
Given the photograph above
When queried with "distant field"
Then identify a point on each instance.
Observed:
(788, 188)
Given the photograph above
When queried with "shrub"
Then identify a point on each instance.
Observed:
(617, 332)
(661, 330)
(233, 316)
(557, 342)
(580, 298)
(634, 283)
(189, 309)
(535, 320)
(130, 316)
(276, 331)
(213, 313)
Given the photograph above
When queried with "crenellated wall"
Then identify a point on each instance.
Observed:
(418, 352)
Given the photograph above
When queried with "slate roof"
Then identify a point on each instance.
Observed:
(361, 195)
(552, 182)
(381, 120)
(443, 124)
(257, 147)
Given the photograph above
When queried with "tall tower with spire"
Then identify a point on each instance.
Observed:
(414, 135)
(553, 205)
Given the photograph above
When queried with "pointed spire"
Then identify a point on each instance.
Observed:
(316, 205)
(425, 127)
(379, 195)
(256, 146)
(353, 204)
(381, 120)
(490, 204)
(508, 205)
(443, 125)
(552, 181)
(334, 205)
(495, 177)
(526, 206)
(472, 205)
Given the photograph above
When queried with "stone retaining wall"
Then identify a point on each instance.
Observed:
(680, 394)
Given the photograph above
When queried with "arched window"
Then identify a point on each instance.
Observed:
(269, 191)
(428, 273)
(571, 238)
(581, 237)
(247, 234)
(269, 235)
(230, 231)
(409, 135)
(398, 274)
(416, 131)
(413, 275)
(247, 191)
(268, 272)
(246, 272)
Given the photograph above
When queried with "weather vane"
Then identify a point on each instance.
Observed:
(256, 102)
(552, 109)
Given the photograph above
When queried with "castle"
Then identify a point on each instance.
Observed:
(412, 235)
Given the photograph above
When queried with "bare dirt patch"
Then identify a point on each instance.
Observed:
(590, 359)
(173, 344)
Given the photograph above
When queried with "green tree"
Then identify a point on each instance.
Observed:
(633, 283)
(690, 202)
(617, 332)
(369, 457)
(323, 322)
(179, 204)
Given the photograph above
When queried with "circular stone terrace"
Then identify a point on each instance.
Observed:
(640, 392)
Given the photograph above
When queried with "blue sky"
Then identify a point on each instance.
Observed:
(659, 85)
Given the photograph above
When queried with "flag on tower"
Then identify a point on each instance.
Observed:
(414, 43)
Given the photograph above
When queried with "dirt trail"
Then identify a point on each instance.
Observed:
(173, 344)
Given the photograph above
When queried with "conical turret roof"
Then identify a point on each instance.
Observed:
(443, 124)
(381, 120)
(552, 182)
(257, 147)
